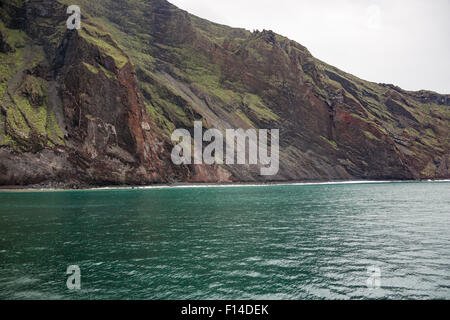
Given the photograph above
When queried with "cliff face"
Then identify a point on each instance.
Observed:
(97, 106)
(72, 111)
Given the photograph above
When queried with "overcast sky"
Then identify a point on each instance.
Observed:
(404, 42)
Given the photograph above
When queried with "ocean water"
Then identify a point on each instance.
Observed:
(333, 241)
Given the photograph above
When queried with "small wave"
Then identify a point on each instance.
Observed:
(232, 185)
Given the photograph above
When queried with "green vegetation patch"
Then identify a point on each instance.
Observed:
(11, 62)
(155, 112)
(104, 42)
(16, 123)
(14, 37)
(255, 103)
(330, 142)
(36, 117)
(91, 68)
(164, 102)
(370, 135)
(107, 73)
(54, 133)
(133, 43)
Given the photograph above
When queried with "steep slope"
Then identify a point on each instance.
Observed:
(97, 106)
(72, 112)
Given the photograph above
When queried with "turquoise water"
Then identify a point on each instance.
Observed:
(277, 242)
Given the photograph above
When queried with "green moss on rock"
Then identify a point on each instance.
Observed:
(104, 42)
(90, 67)
(262, 112)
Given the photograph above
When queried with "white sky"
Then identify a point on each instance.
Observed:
(404, 42)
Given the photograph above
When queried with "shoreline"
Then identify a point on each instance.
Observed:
(206, 185)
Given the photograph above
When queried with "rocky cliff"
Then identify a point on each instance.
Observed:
(96, 106)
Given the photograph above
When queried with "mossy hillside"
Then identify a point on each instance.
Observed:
(134, 45)
(189, 68)
(130, 34)
(11, 62)
(166, 103)
(14, 37)
(54, 134)
(30, 127)
(26, 123)
(161, 109)
(103, 40)
(36, 117)
(156, 115)
(187, 62)
(410, 112)
(14, 62)
(26, 118)
(35, 90)
(257, 106)
(16, 125)
(48, 29)
(200, 71)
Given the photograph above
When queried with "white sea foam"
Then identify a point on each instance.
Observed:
(228, 185)
(238, 185)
